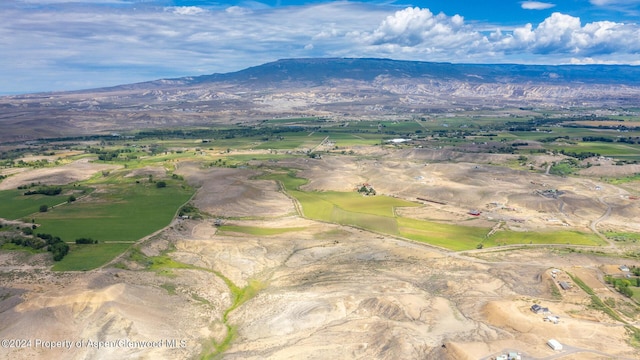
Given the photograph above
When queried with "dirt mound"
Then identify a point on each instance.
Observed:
(381, 307)
(231, 193)
(114, 313)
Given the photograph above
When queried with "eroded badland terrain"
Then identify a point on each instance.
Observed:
(471, 238)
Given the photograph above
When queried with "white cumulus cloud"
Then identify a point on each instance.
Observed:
(536, 5)
(561, 33)
(416, 27)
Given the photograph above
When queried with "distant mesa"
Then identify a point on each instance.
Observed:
(332, 88)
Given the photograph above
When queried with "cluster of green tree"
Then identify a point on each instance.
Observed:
(503, 150)
(624, 162)
(623, 285)
(54, 244)
(563, 168)
(553, 138)
(9, 155)
(109, 155)
(28, 230)
(231, 133)
(82, 241)
(629, 140)
(533, 124)
(28, 186)
(45, 190)
(597, 138)
(602, 126)
(218, 163)
(191, 211)
(626, 140)
(457, 133)
(33, 164)
(367, 190)
(579, 155)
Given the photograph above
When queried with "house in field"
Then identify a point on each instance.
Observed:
(564, 285)
(624, 268)
(539, 309)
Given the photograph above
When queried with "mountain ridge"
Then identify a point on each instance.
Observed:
(334, 88)
(370, 68)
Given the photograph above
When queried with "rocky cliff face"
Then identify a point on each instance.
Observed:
(357, 88)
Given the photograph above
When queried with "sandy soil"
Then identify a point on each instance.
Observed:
(329, 291)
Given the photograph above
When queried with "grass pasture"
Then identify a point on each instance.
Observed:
(551, 237)
(347, 139)
(448, 236)
(125, 212)
(378, 223)
(15, 205)
(87, 257)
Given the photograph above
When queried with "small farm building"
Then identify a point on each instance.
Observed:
(554, 344)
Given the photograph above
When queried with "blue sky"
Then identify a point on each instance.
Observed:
(53, 45)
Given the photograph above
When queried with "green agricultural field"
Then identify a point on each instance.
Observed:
(608, 149)
(636, 294)
(448, 236)
(122, 212)
(378, 223)
(345, 139)
(292, 140)
(15, 205)
(87, 257)
(547, 237)
(313, 206)
(322, 206)
(288, 143)
(355, 202)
